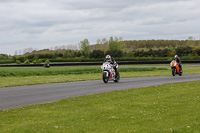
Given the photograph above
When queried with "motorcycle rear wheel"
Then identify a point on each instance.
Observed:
(181, 73)
(117, 77)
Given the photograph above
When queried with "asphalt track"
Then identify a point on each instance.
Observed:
(12, 97)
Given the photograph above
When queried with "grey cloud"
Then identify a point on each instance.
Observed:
(43, 22)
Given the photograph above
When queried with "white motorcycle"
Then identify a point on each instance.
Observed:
(109, 72)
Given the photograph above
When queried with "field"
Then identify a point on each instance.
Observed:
(156, 109)
(165, 108)
(30, 76)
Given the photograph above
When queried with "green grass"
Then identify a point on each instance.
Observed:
(14, 72)
(64, 77)
(156, 109)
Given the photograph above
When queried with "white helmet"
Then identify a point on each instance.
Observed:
(176, 56)
(108, 58)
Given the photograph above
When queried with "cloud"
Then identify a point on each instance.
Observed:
(47, 23)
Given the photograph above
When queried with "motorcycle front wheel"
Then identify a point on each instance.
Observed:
(105, 78)
(173, 71)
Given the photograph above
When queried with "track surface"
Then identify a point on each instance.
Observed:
(11, 97)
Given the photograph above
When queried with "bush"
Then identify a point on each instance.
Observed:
(35, 62)
(97, 54)
(18, 61)
(39, 61)
(47, 61)
(27, 62)
(6, 61)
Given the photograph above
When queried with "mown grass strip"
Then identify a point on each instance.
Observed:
(13, 72)
(45, 79)
(165, 108)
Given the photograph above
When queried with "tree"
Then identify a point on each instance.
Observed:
(104, 41)
(111, 39)
(97, 54)
(115, 44)
(191, 38)
(99, 41)
(115, 53)
(85, 48)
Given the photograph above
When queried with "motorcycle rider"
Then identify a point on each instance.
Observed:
(179, 61)
(111, 61)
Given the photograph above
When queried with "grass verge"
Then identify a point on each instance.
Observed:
(124, 73)
(17, 72)
(164, 108)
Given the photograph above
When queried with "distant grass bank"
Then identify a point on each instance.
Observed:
(168, 108)
(32, 76)
(17, 72)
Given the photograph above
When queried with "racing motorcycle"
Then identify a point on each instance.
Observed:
(109, 72)
(175, 68)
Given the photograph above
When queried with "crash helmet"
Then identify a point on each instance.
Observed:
(108, 58)
(176, 56)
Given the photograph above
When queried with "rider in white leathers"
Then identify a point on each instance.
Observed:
(111, 61)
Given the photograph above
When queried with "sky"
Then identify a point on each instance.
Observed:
(42, 24)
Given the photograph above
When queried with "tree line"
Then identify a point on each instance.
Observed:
(117, 48)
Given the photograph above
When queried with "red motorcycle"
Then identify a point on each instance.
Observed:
(175, 68)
